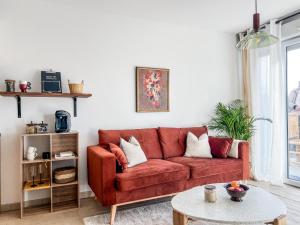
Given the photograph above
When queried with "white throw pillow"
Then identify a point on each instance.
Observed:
(133, 151)
(197, 147)
(234, 151)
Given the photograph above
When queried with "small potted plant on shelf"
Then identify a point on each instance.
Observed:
(232, 120)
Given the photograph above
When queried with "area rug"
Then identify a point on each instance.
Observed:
(155, 214)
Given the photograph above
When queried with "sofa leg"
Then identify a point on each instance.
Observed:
(113, 211)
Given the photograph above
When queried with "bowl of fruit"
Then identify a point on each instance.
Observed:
(236, 190)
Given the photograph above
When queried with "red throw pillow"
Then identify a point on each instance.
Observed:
(121, 158)
(219, 146)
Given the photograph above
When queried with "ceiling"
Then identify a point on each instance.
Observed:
(221, 15)
(224, 15)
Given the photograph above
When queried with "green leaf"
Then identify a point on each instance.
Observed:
(232, 120)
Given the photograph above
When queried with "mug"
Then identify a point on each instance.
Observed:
(24, 85)
(46, 155)
(31, 153)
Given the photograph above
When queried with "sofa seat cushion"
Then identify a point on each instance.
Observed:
(152, 172)
(201, 167)
(148, 138)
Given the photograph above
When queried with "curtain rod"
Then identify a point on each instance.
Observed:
(290, 17)
(284, 19)
(287, 18)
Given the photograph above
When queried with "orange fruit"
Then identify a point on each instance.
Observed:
(235, 184)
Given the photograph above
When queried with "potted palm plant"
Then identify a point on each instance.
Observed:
(232, 120)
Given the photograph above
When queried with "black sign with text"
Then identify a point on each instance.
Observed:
(51, 82)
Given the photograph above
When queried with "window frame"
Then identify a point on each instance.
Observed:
(288, 45)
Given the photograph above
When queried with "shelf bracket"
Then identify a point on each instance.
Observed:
(75, 106)
(19, 105)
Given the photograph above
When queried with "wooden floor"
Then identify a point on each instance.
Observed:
(89, 207)
(289, 195)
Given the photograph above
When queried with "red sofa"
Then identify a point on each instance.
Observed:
(165, 173)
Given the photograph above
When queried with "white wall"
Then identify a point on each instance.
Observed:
(85, 42)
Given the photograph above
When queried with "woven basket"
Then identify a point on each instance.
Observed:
(64, 175)
(76, 88)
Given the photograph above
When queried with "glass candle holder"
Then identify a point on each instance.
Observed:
(210, 194)
(10, 85)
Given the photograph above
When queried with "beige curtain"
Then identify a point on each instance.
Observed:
(247, 91)
(246, 78)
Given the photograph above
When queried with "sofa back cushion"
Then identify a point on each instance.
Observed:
(173, 140)
(148, 139)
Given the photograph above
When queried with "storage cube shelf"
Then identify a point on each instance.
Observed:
(58, 196)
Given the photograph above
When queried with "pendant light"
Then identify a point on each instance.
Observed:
(256, 38)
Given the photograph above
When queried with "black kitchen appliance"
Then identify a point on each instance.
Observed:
(62, 121)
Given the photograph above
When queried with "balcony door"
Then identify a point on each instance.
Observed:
(292, 58)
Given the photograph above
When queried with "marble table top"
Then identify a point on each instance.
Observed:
(258, 206)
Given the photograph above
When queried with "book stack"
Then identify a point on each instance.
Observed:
(65, 155)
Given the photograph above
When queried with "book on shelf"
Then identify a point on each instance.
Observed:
(65, 155)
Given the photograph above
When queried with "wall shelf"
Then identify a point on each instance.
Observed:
(19, 95)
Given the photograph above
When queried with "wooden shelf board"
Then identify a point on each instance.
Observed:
(40, 209)
(46, 185)
(65, 159)
(54, 185)
(49, 134)
(35, 161)
(66, 133)
(40, 94)
(65, 205)
(47, 160)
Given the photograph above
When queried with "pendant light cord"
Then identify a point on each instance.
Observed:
(255, 6)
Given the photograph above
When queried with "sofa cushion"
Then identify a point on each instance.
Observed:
(152, 172)
(200, 167)
(173, 140)
(220, 146)
(133, 151)
(148, 138)
(120, 156)
(197, 147)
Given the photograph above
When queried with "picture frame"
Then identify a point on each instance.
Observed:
(152, 89)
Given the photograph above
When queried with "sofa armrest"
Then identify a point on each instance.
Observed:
(101, 174)
(244, 155)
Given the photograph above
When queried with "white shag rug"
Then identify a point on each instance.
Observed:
(156, 214)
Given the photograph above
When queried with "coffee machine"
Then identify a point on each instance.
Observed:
(62, 121)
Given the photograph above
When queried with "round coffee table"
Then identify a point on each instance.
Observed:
(258, 206)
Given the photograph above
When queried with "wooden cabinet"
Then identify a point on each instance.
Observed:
(54, 196)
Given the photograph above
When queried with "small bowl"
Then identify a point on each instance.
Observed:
(235, 195)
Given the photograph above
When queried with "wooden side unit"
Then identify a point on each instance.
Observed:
(60, 196)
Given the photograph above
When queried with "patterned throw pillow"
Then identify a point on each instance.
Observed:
(121, 158)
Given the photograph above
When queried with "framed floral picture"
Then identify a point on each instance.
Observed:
(152, 89)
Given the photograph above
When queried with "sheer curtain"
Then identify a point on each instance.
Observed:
(264, 92)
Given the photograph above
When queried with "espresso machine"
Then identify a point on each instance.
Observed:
(62, 121)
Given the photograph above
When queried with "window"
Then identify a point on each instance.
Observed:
(292, 56)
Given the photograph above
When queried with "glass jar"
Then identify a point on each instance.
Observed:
(31, 128)
(10, 85)
(210, 194)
